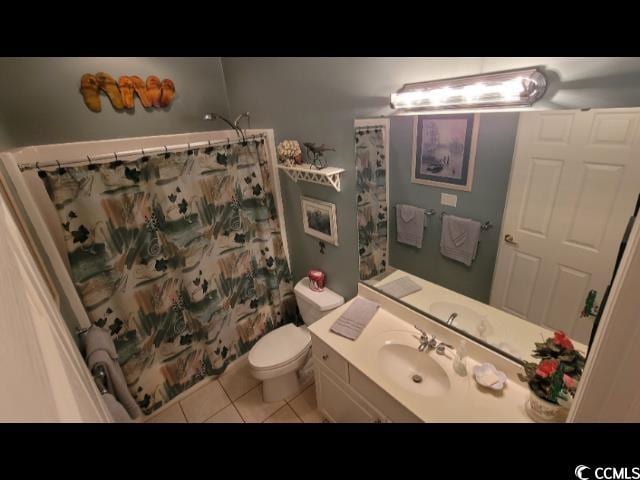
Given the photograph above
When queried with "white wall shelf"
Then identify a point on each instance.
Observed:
(329, 176)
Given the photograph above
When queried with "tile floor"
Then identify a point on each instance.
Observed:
(236, 397)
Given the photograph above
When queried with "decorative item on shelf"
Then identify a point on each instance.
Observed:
(319, 220)
(316, 152)
(289, 153)
(553, 381)
(317, 280)
(152, 94)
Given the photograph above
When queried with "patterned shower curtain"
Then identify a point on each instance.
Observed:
(180, 256)
(371, 173)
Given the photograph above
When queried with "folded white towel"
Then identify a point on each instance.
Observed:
(99, 348)
(462, 245)
(401, 287)
(118, 412)
(409, 225)
(355, 318)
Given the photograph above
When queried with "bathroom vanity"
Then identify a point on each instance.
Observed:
(373, 379)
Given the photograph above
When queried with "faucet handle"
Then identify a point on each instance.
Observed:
(441, 346)
(422, 332)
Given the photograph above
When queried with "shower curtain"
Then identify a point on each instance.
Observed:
(371, 178)
(180, 256)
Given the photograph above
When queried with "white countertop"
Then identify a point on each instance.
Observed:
(512, 334)
(466, 401)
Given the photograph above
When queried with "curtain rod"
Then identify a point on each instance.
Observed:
(371, 126)
(108, 157)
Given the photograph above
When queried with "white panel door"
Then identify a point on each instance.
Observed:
(42, 374)
(574, 182)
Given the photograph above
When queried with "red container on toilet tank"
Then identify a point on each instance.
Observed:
(317, 280)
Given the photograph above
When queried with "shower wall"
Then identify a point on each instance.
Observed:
(42, 104)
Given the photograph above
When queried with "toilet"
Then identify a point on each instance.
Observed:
(277, 358)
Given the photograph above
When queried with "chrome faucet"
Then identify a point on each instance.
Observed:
(425, 342)
(451, 318)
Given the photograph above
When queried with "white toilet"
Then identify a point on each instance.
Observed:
(278, 356)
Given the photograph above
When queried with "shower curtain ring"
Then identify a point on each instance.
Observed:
(142, 151)
(115, 154)
(89, 159)
(165, 149)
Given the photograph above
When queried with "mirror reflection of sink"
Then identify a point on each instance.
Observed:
(466, 319)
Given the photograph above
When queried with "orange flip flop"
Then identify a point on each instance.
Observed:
(126, 91)
(167, 93)
(90, 92)
(110, 87)
(153, 90)
(141, 90)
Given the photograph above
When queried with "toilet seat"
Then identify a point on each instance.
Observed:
(280, 347)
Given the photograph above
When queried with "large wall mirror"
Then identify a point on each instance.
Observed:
(505, 226)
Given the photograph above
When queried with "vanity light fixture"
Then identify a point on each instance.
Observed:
(513, 88)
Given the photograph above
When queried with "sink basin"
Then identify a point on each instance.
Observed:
(417, 372)
(468, 319)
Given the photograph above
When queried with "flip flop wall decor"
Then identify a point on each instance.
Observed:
(151, 93)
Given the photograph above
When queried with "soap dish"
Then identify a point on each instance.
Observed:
(488, 376)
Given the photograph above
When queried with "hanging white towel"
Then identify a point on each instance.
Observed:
(99, 348)
(459, 239)
(409, 225)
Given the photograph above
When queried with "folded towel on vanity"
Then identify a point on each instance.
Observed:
(409, 225)
(99, 348)
(459, 239)
(351, 323)
(401, 287)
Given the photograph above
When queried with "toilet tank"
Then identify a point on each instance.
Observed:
(314, 305)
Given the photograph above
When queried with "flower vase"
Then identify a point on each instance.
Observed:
(543, 411)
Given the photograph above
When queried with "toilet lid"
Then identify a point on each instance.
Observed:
(279, 346)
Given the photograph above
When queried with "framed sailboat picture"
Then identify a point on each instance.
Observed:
(444, 150)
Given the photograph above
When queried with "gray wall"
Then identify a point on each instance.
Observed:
(41, 101)
(306, 99)
(485, 201)
(317, 99)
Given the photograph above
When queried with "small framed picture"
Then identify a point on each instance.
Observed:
(319, 220)
(444, 150)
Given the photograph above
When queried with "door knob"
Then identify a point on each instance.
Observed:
(509, 239)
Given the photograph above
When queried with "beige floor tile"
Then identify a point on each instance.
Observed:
(284, 415)
(305, 406)
(226, 415)
(237, 379)
(253, 409)
(205, 402)
(173, 414)
(303, 387)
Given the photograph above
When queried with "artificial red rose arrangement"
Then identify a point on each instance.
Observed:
(555, 378)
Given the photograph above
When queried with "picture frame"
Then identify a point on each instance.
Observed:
(319, 219)
(444, 150)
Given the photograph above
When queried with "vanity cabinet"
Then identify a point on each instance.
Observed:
(344, 394)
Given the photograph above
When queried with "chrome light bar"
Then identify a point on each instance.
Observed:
(510, 88)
